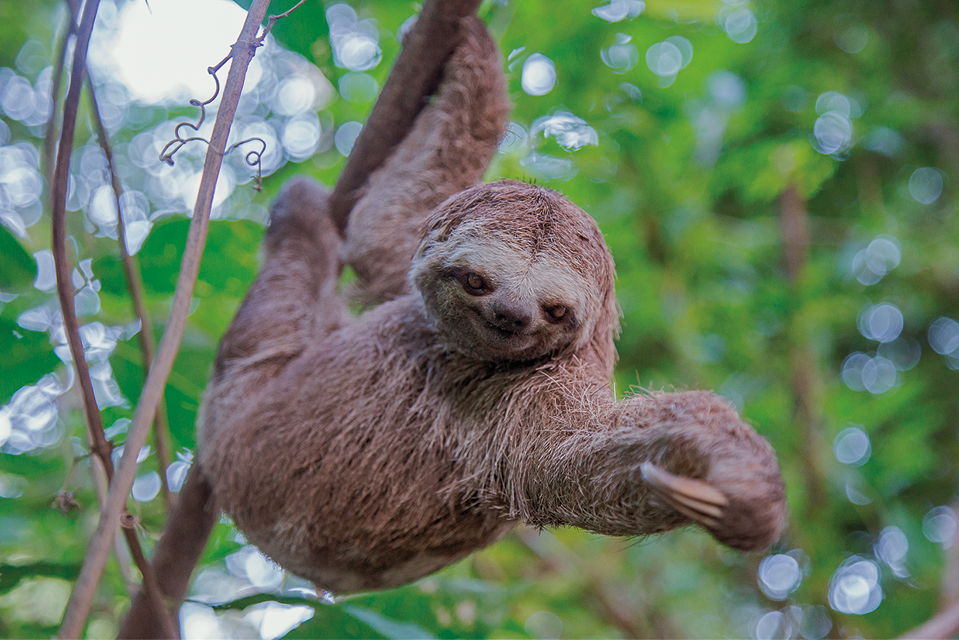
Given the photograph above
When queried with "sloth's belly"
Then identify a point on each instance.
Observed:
(348, 481)
(348, 515)
(364, 564)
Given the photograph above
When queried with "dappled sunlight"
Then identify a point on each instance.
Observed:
(854, 587)
(684, 131)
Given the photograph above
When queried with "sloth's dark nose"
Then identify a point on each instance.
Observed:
(511, 319)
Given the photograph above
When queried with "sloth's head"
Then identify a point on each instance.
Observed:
(512, 271)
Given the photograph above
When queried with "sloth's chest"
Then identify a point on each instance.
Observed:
(377, 523)
(356, 484)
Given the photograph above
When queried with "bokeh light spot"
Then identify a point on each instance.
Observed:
(944, 336)
(925, 185)
(345, 137)
(939, 526)
(881, 256)
(882, 322)
(740, 25)
(146, 487)
(852, 39)
(664, 59)
(779, 575)
(539, 75)
(852, 446)
(854, 587)
(617, 10)
(622, 56)
(544, 625)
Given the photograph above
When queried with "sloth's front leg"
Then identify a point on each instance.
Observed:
(293, 300)
(650, 464)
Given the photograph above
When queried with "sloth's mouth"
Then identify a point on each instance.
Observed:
(506, 334)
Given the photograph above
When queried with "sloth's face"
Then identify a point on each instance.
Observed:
(494, 300)
(513, 272)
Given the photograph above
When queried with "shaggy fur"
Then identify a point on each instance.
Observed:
(363, 454)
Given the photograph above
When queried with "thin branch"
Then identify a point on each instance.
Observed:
(272, 20)
(98, 442)
(151, 586)
(794, 224)
(135, 285)
(950, 572)
(50, 137)
(78, 607)
(177, 552)
(807, 405)
(943, 625)
(123, 559)
(63, 268)
(411, 82)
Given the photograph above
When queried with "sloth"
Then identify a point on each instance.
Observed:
(364, 453)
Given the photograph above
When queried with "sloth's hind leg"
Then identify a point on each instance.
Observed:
(293, 299)
(448, 150)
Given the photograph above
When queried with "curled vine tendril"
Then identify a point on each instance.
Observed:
(252, 158)
(166, 155)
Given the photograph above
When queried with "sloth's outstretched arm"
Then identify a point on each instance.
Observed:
(650, 464)
(448, 150)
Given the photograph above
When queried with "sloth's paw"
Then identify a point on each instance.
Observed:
(695, 499)
(748, 514)
(301, 210)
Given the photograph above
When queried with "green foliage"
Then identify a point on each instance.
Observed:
(686, 177)
(16, 266)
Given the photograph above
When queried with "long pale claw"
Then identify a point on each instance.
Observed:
(694, 499)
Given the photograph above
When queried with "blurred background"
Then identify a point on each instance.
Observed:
(773, 178)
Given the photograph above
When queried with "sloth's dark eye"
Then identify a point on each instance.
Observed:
(474, 284)
(557, 312)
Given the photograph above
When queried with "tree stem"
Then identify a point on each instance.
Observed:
(135, 285)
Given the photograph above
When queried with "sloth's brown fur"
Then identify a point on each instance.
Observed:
(362, 454)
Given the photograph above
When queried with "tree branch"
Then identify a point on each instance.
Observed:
(807, 405)
(943, 625)
(102, 483)
(98, 443)
(78, 607)
(272, 20)
(413, 79)
(794, 224)
(177, 553)
(135, 285)
(50, 137)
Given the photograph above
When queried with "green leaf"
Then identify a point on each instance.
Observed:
(387, 627)
(17, 267)
(11, 575)
(27, 356)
